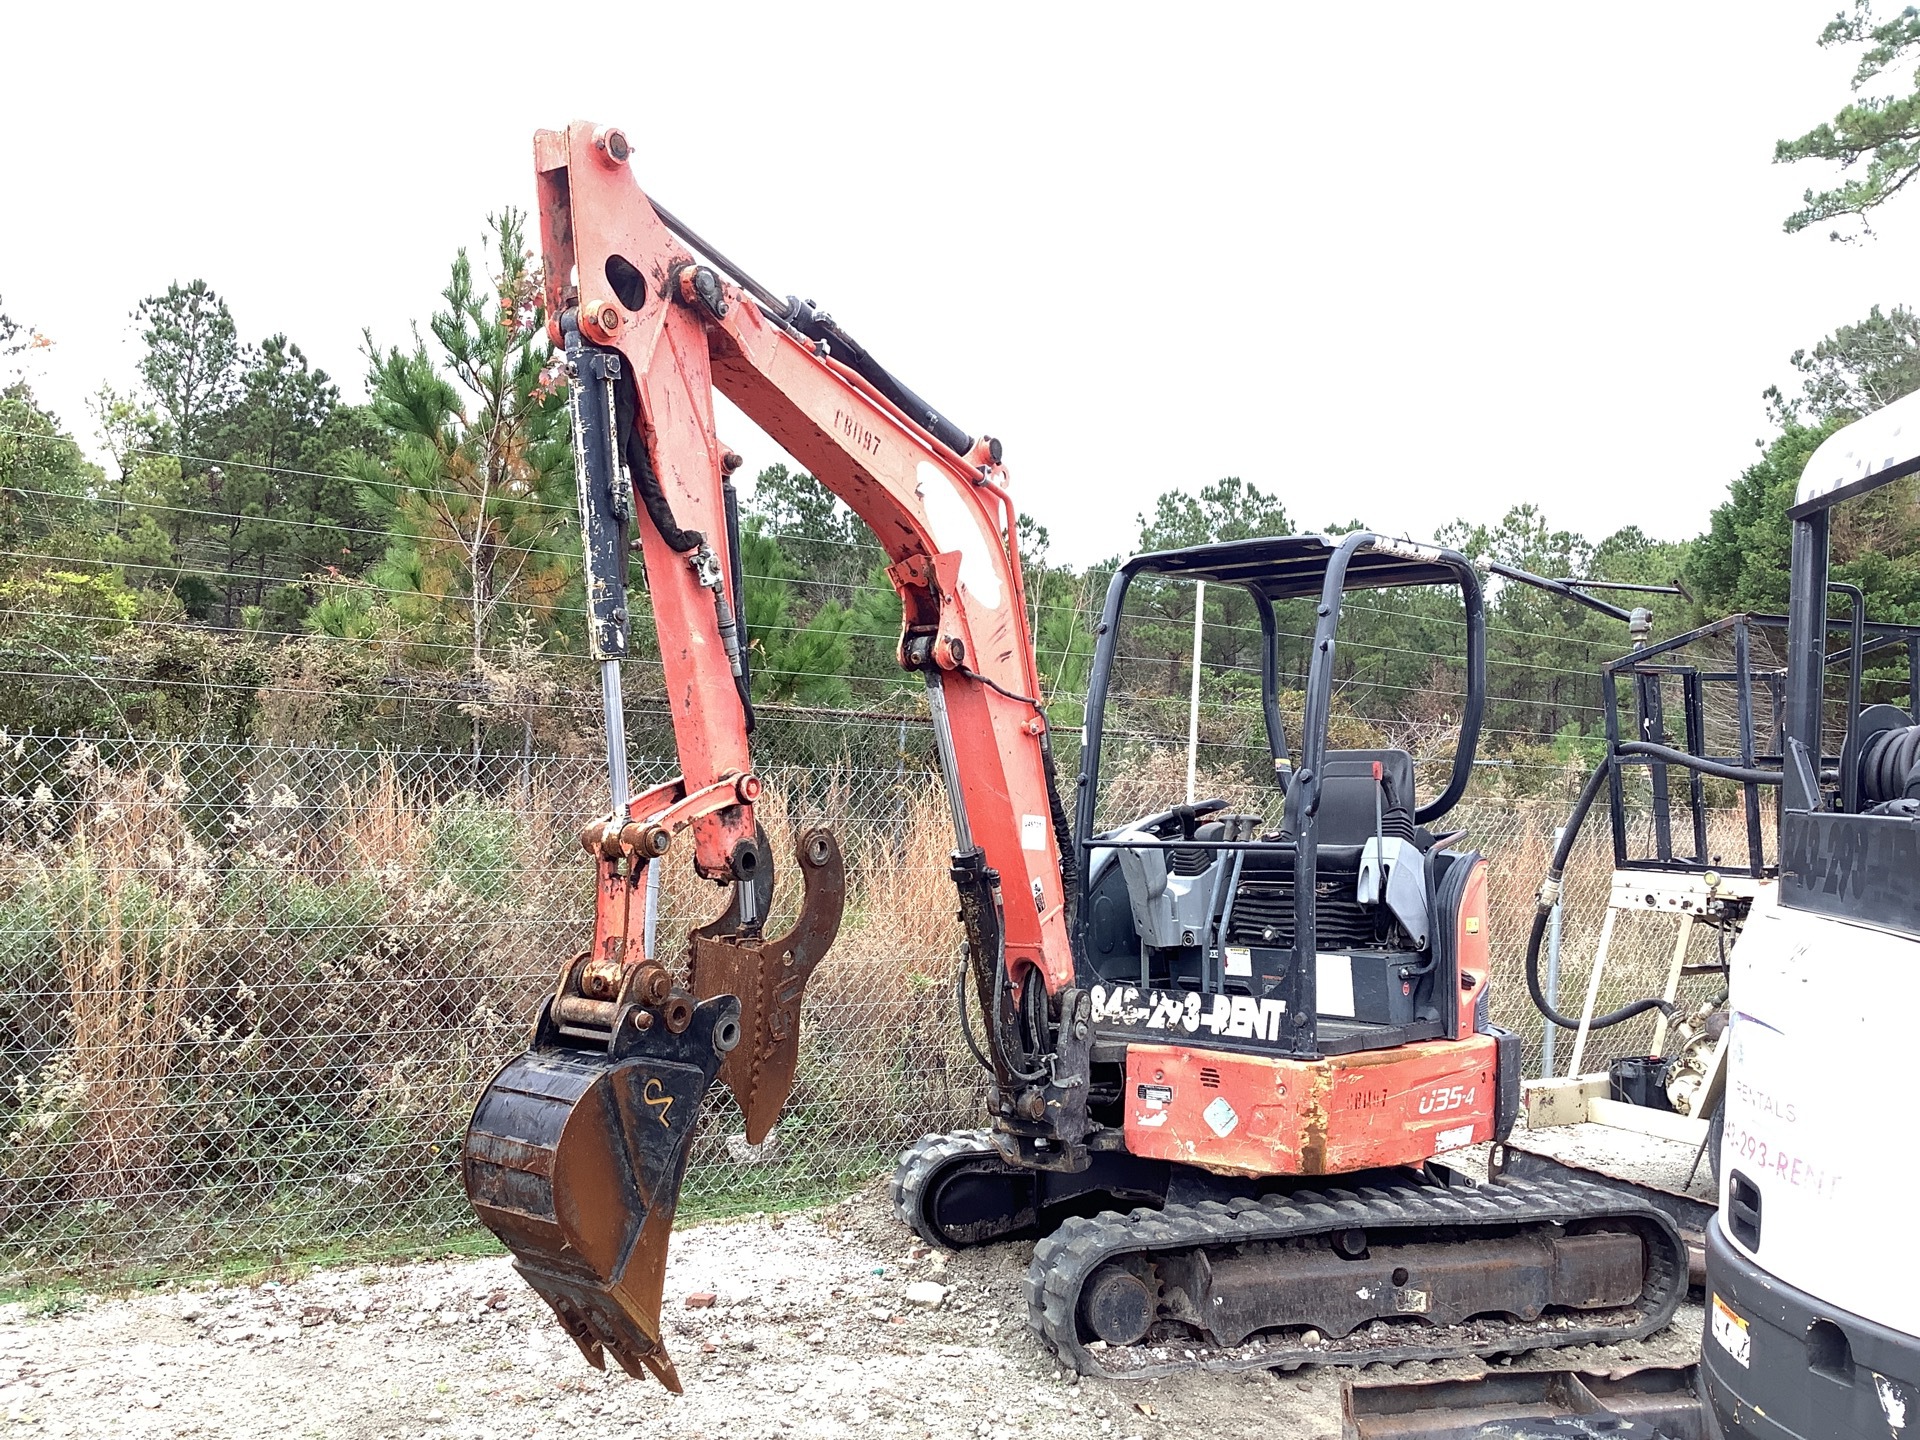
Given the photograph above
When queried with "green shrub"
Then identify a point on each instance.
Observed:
(473, 845)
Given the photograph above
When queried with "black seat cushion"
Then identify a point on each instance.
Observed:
(1347, 797)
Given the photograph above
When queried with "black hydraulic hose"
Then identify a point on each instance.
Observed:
(997, 687)
(966, 1024)
(1549, 896)
(1062, 831)
(736, 576)
(1705, 766)
(655, 499)
(990, 1013)
(640, 465)
(1550, 889)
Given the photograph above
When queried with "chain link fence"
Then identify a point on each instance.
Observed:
(248, 992)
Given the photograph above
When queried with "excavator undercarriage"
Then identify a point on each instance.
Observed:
(1224, 1053)
(1146, 1272)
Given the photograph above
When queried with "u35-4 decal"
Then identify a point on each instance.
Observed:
(1241, 1017)
(1442, 1098)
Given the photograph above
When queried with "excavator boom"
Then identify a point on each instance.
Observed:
(576, 1151)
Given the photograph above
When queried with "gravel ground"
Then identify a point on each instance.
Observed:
(811, 1333)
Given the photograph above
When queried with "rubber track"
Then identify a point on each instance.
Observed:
(1064, 1260)
(919, 1164)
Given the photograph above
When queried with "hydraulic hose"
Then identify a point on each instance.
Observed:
(640, 466)
(1063, 835)
(1705, 766)
(992, 1020)
(1550, 888)
(737, 582)
(1549, 897)
(966, 1025)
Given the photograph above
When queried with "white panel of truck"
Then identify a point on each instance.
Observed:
(1824, 1061)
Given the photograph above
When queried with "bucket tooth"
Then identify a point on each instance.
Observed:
(575, 1158)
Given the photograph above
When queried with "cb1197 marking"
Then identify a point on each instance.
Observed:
(859, 434)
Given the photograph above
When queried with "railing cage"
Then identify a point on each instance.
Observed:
(1642, 690)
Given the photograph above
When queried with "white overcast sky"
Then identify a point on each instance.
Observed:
(1395, 262)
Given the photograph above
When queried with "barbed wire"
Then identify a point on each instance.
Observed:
(258, 467)
(586, 701)
(468, 687)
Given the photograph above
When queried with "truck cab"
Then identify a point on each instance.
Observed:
(1813, 1278)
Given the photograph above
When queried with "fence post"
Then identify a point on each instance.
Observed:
(1553, 971)
(1193, 699)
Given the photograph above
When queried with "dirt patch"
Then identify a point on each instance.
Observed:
(812, 1332)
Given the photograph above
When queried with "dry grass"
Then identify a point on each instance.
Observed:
(278, 1030)
(126, 955)
(383, 824)
(881, 1027)
(128, 918)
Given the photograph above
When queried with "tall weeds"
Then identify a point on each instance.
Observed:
(882, 1041)
(260, 1010)
(126, 953)
(126, 902)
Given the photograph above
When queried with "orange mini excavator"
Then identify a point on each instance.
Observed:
(1223, 1057)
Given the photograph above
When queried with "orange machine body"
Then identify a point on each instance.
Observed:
(1236, 1113)
(1251, 1115)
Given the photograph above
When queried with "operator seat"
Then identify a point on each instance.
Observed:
(1367, 829)
(1348, 793)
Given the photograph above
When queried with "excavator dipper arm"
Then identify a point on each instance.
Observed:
(577, 1150)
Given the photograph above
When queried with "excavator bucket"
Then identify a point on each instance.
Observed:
(577, 1150)
(574, 1158)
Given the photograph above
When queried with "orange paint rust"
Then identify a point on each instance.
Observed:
(1250, 1115)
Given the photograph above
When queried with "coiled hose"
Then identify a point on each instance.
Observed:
(1890, 765)
(1550, 887)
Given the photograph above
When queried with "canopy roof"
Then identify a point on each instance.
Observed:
(1284, 566)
